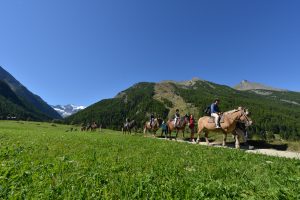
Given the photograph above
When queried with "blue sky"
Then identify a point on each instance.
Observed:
(82, 51)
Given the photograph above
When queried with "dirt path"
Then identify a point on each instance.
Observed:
(251, 149)
(273, 152)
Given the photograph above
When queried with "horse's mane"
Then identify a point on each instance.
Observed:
(231, 111)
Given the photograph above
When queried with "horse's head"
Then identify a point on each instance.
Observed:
(159, 121)
(244, 117)
(186, 118)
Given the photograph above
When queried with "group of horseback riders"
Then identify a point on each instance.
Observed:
(214, 111)
(176, 119)
(234, 121)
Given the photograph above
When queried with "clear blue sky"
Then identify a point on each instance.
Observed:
(81, 51)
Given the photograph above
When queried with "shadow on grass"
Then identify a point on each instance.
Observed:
(251, 144)
(259, 144)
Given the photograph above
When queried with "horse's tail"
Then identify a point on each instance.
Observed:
(145, 128)
(199, 126)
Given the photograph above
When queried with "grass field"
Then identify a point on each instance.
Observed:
(42, 161)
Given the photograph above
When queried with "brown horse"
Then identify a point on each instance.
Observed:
(155, 126)
(83, 128)
(231, 118)
(180, 126)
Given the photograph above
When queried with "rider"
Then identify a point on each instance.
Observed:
(215, 112)
(127, 122)
(177, 118)
(151, 119)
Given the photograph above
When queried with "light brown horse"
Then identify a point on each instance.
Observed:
(155, 126)
(180, 126)
(228, 126)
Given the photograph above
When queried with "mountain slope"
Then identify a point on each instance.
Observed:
(277, 112)
(246, 85)
(13, 107)
(25, 95)
(134, 103)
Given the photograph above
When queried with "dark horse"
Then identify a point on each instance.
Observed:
(92, 127)
(127, 127)
(180, 126)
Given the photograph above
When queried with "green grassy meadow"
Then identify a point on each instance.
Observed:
(43, 161)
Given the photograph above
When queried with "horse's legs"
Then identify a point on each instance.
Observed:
(176, 134)
(224, 139)
(237, 141)
(239, 135)
(198, 136)
(206, 137)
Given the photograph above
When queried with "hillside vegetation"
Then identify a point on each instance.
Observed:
(273, 112)
(42, 161)
(135, 103)
(12, 106)
(34, 103)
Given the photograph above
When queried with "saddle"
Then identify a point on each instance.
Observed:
(212, 119)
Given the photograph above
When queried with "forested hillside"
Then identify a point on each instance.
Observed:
(11, 106)
(27, 96)
(273, 112)
(134, 103)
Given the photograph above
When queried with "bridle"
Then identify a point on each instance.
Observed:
(242, 114)
(246, 117)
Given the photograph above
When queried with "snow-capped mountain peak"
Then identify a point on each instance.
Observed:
(67, 110)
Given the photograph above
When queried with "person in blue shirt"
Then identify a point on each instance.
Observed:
(215, 112)
(164, 129)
